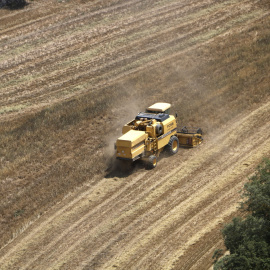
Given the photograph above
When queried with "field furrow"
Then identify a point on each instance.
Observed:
(130, 220)
(127, 57)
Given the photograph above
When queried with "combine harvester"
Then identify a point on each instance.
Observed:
(151, 132)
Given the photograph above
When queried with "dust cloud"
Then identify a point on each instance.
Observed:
(123, 110)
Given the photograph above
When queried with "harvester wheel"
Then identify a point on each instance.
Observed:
(173, 145)
(159, 129)
(152, 162)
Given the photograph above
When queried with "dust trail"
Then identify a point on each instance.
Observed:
(123, 110)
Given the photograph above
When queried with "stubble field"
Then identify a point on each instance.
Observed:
(71, 74)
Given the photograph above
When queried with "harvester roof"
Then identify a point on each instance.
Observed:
(159, 107)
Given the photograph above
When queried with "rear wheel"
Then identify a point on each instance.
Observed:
(152, 162)
(173, 145)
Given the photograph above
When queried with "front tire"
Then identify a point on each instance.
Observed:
(152, 162)
(173, 145)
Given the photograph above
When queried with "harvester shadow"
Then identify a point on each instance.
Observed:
(122, 171)
(116, 169)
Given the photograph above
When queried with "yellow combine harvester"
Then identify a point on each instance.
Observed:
(151, 132)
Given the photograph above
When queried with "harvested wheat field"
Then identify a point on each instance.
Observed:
(71, 74)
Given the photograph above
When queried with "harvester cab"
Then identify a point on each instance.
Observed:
(149, 134)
